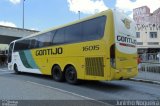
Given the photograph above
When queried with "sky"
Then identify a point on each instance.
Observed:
(43, 14)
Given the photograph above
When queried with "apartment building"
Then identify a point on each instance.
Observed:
(147, 29)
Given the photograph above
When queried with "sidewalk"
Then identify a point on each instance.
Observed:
(148, 77)
(154, 76)
(144, 80)
(150, 73)
(3, 68)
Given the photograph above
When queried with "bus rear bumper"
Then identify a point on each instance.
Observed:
(126, 73)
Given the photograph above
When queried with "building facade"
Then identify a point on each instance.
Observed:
(147, 29)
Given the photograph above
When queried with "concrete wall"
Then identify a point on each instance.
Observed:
(15, 32)
(8, 34)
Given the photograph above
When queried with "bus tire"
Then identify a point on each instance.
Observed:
(71, 75)
(16, 69)
(57, 73)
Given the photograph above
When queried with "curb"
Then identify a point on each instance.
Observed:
(146, 81)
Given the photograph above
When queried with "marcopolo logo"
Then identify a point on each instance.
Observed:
(127, 23)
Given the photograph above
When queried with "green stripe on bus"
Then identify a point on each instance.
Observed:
(24, 59)
(30, 59)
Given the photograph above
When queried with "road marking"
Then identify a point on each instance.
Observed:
(61, 90)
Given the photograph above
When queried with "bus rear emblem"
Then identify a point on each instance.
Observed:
(127, 23)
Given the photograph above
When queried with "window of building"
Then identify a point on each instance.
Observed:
(138, 34)
(153, 35)
(139, 43)
(153, 43)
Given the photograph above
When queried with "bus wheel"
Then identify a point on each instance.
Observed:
(16, 69)
(71, 75)
(57, 73)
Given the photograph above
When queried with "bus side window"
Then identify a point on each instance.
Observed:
(40, 41)
(93, 29)
(21, 45)
(26, 44)
(73, 33)
(32, 43)
(47, 39)
(36, 42)
(59, 36)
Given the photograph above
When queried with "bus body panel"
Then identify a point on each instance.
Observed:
(72, 54)
(91, 59)
(24, 64)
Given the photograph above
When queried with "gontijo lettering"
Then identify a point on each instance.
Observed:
(49, 51)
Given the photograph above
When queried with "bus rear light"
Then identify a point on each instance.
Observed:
(117, 71)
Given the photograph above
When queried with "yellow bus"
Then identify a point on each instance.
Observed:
(99, 47)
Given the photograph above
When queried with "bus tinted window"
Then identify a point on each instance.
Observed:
(45, 39)
(93, 29)
(25, 44)
(59, 36)
(73, 33)
(22, 45)
(16, 47)
(33, 41)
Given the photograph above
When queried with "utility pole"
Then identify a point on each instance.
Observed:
(79, 14)
(23, 15)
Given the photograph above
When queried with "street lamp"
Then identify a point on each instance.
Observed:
(23, 14)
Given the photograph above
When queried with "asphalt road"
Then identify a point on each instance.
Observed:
(37, 87)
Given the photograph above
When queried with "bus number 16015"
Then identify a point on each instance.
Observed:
(91, 48)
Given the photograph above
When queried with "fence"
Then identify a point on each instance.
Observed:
(150, 57)
(149, 71)
(150, 67)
